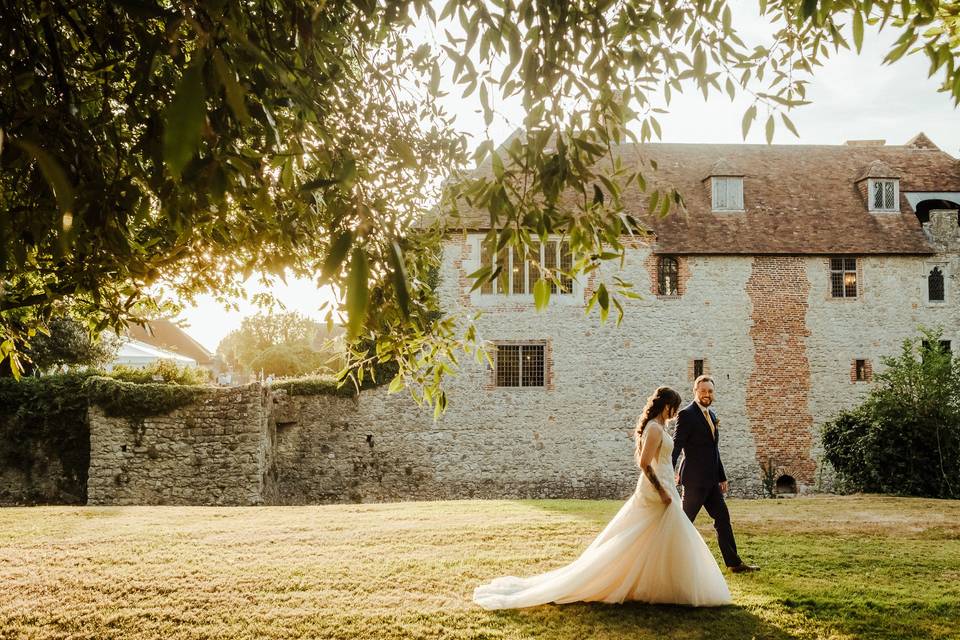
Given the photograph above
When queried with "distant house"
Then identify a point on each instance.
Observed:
(134, 353)
(165, 336)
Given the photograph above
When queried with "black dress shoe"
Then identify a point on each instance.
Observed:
(743, 567)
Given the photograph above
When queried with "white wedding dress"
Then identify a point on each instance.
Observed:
(649, 552)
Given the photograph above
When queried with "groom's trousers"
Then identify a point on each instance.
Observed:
(711, 499)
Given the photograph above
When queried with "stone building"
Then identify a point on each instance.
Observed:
(792, 272)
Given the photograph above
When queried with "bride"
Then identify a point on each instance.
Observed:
(649, 552)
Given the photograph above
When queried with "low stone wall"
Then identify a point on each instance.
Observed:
(381, 447)
(44, 443)
(252, 445)
(215, 451)
(40, 478)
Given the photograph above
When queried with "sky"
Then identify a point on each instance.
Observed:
(854, 97)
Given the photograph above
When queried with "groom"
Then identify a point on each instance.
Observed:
(701, 474)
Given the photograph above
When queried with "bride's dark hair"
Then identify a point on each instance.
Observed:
(662, 398)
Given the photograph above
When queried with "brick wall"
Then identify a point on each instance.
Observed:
(779, 385)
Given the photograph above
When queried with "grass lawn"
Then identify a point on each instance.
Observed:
(833, 567)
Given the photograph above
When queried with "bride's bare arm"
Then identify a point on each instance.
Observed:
(651, 446)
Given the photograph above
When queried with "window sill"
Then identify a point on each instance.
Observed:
(669, 297)
(884, 210)
(728, 210)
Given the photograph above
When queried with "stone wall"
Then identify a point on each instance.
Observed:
(41, 477)
(216, 451)
(44, 440)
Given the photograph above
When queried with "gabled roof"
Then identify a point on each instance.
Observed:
(166, 334)
(723, 168)
(921, 141)
(877, 169)
(798, 199)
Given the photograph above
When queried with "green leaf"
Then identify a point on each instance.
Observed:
(771, 125)
(748, 118)
(541, 293)
(231, 87)
(53, 173)
(184, 118)
(480, 277)
(358, 296)
(603, 299)
(338, 252)
(396, 384)
(497, 165)
(808, 8)
(398, 276)
(789, 124)
(435, 79)
(858, 30)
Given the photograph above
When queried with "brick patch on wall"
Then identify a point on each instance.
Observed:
(867, 370)
(779, 385)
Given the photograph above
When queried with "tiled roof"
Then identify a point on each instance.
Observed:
(798, 199)
(877, 169)
(165, 334)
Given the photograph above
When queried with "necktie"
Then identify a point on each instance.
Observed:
(713, 429)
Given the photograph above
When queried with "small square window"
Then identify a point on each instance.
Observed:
(697, 369)
(520, 365)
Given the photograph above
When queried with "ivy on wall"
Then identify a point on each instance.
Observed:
(120, 399)
(43, 424)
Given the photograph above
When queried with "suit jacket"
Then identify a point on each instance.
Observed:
(701, 450)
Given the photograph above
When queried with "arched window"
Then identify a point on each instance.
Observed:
(935, 285)
(668, 271)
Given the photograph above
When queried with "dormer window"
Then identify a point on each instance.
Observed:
(727, 193)
(884, 194)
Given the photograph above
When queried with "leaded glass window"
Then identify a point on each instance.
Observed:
(935, 290)
(843, 277)
(884, 195)
(667, 275)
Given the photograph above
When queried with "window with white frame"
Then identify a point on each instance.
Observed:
(843, 277)
(520, 365)
(727, 193)
(884, 194)
(517, 274)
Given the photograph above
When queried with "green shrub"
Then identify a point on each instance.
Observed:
(905, 438)
(134, 400)
(290, 360)
(160, 371)
(314, 386)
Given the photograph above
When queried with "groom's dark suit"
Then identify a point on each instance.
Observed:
(701, 474)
